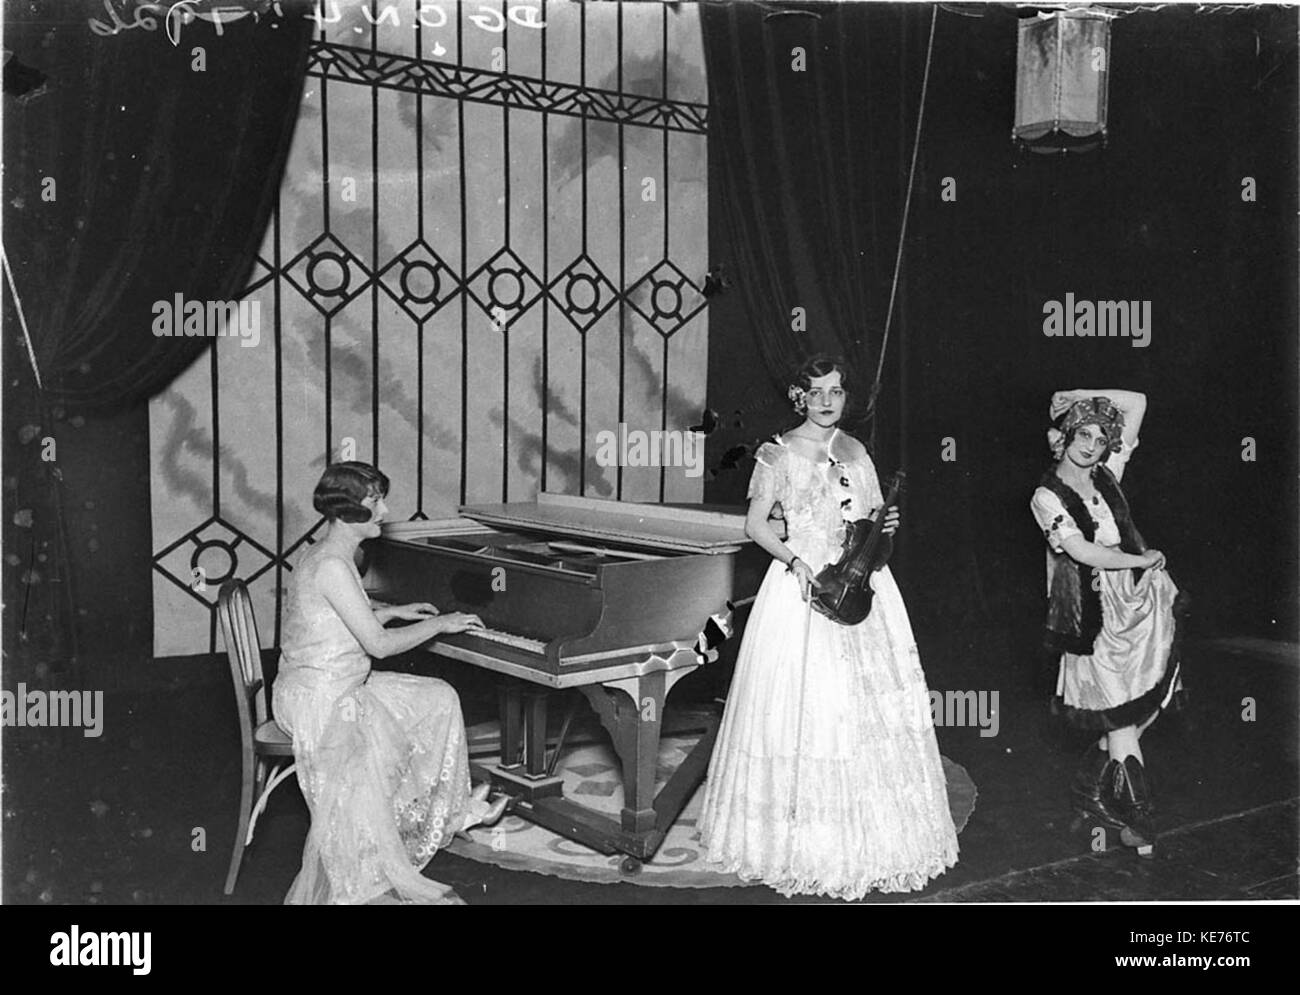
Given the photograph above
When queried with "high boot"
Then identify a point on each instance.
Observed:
(1136, 805)
(1093, 789)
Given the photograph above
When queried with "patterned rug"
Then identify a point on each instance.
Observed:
(591, 778)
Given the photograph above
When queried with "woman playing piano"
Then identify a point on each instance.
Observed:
(381, 757)
(826, 778)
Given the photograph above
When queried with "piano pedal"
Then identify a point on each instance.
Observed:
(522, 785)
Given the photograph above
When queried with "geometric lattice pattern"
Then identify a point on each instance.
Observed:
(486, 252)
(328, 274)
(419, 280)
(583, 292)
(203, 559)
(504, 288)
(358, 65)
(666, 298)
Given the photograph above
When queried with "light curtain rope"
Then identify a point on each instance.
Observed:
(22, 320)
(792, 811)
(907, 204)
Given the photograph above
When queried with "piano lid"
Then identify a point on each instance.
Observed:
(656, 526)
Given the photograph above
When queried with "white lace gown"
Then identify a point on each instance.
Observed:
(826, 778)
(382, 760)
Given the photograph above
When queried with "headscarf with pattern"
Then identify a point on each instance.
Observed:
(1099, 411)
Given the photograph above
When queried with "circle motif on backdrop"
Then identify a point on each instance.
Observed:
(328, 274)
(506, 288)
(204, 558)
(583, 294)
(420, 282)
(667, 300)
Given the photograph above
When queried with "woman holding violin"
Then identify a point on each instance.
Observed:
(826, 778)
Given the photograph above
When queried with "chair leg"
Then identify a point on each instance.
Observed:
(276, 778)
(241, 831)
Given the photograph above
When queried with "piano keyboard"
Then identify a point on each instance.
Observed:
(509, 639)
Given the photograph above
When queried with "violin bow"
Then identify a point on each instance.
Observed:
(798, 734)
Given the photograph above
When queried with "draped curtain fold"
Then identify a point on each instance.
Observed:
(811, 177)
(134, 171)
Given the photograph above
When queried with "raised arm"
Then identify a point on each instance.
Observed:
(1131, 402)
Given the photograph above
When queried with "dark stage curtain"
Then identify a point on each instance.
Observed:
(133, 172)
(164, 180)
(809, 170)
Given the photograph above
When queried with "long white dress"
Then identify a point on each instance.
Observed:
(381, 759)
(826, 778)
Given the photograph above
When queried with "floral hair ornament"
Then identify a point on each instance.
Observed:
(798, 397)
(1099, 411)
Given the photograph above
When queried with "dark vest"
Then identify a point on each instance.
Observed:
(1074, 604)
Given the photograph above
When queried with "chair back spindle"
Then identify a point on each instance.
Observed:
(239, 629)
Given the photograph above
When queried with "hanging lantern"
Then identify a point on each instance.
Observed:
(1062, 74)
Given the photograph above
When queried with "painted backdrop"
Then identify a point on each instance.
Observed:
(487, 251)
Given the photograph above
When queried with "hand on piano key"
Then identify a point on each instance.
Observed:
(460, 622)
(416, 612)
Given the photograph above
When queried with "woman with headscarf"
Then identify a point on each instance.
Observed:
(1110, 606)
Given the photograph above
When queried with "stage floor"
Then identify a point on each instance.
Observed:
(113, 820)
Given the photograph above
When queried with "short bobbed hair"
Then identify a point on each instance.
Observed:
(819, 365)
(342, 488)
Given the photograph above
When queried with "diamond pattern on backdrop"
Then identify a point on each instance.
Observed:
(419, 280)
(582, 292)
(217, 549)
(328, 274)
(666, 298)
(455, 192)
(504, 288)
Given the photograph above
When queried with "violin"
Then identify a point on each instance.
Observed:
(843, 589)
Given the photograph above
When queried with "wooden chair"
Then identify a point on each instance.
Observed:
(264, 745)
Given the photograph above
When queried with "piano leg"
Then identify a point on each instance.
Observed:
(523, 726)
(510, 707)
(535, 731)
(632, 712)
(522, 771)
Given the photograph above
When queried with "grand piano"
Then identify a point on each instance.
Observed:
(616, 599)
